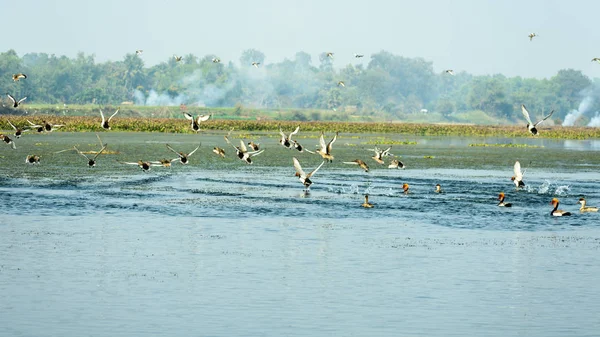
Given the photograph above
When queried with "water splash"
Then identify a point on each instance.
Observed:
(562, 190)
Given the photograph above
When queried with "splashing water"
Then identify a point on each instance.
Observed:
(562, 190)
(543, 189)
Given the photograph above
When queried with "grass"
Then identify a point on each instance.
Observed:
(503, 145)
(180, 125)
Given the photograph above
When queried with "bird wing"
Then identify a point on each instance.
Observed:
(188, 116)
(196, 149)
(228, 142)
(21, 100)
(81, 153)
(11, 98)
(282, 134)
(113, 115)
(299, 168)
(526, 114)
(102, 115)
(170, 148)
(322, 143)
(99, 152)
(11, 124)
(543, 119)
(243, 146)
(295, 131)
(129, 163)
(517, 171)
(350, 162)
(203, 118)
(315, 170)
(331, 143)
(255, 153)
(33, 125)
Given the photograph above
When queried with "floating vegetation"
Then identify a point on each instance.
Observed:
(428, 157)
(387, 141)
(181, 125)
(503, 145)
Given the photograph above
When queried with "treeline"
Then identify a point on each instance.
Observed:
(390, 85)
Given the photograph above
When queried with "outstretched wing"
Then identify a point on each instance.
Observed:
(243, 146)
(203, 118)
(298, 167)
(196, 149)
(517, 171)
(228, 142)
(282, 134)
(188, 116)
(322, 143)
(331, 143)
(33, 125)
(21, 100)
(255, 153)
(102, 115)
(315, 170)
(526, 114)
(170, 148)
(101, 150)
(11, 98)
(11, 124)
(81, 153)
(295, 131)
(113, 115)
(543, 119)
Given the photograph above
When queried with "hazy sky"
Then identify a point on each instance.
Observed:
(477, 36)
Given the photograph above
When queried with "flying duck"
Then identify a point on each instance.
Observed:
(360, 163)
(14, 101)
(585, 208)
(302, 176)
(379, 154)
(18, 132)
(17, 77)
(366, 204)
(358, 55)
(531, 36)
(216, 60)
(555, 211)
(139, 52)
(531, 126)
(502, 203)
(104, 124)
(329, 54)
(177, 58)
(518, 177)
(395, 163)
(46, 126)
(450, 72)
(219, 151)
(32, 159)
(255, 64)
(254, 146)
(341, 84)
(183, 157)
(8, 141)
(325, 150)
(287, 141)
(91, 161)
(164, 162)
(195, 125)
(242, 151)
(596, 59)
(144, 165)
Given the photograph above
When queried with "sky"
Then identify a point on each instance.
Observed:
(477, 36)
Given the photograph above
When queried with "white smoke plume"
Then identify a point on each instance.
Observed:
(583, 108)
(595, 121)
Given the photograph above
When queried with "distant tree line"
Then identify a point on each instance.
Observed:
(390, 85)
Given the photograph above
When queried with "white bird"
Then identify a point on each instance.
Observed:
(302, 176)
(518, 177)
(14, 101)
(325, 149)
(287, 141)
(531, 126)
(255, 64)
(379, 154)
(450, 71)
(196, 122)
(105, 122)
(242, 151)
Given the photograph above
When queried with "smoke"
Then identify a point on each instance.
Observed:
(595, 121)
(583, 108)
(156, 99)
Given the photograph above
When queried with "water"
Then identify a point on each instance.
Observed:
(221, 248)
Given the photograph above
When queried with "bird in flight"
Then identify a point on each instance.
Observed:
(17, 77)
(531, 36)
(531, 126)
(14, 101)
(105, 122)
(255, 64)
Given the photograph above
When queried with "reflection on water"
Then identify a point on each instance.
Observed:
(225, 248)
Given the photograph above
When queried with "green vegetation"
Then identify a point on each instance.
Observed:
(388, 88)
(503, 145)
(180, 125)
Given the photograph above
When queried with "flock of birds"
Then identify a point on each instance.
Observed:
(287, 141)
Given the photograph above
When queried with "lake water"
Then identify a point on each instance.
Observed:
(221, 248)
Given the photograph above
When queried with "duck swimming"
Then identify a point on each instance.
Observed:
(196, 122)
(366, 204)
(104, 124)
(555, 211)
(183, 157)
(518, 177)
(585, 208)
(325, 150)
(502, 203)
(405, 188)
(360, 163)
(302, 176)
(530, 125)
(438, 189)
